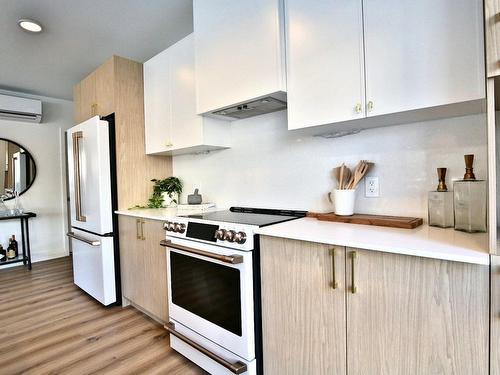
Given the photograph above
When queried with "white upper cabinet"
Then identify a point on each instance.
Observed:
(351, 59)
(239, 47)
(172, 125)
(422, 53)
(325, 67)
(157, 102)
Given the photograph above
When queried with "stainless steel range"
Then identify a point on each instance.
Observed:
(214, 287)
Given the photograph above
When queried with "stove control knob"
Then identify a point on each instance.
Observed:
(169, 226)
(165, 225)
(229, 235)
(219, 234)
(179, 228)
(240, 238)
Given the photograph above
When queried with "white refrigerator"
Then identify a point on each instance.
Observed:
(92, 193)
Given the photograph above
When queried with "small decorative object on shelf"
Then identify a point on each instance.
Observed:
(195, 198)
(470, 200)
(440, 203)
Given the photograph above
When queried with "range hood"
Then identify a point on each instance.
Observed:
(252, 108)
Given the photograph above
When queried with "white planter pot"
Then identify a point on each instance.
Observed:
(168, 199)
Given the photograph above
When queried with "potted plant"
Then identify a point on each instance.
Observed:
(165, 192)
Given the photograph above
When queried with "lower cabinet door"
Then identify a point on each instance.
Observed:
(304, 323)
(154, 294)
(415, 316)
(495, 316)
(144, 265)
(131, 260)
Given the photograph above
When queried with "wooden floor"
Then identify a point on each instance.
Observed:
(49, 326)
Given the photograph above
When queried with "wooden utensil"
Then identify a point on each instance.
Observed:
(341, 179)
(347, 177)
(336, 172)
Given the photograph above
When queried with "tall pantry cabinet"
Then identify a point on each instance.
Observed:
(117, 87)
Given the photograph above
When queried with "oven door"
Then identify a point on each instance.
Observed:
(210, 291)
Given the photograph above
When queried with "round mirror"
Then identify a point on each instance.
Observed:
(17, 169)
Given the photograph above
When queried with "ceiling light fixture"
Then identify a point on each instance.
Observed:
(30, 25)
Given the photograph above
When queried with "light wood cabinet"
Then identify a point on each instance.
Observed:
(495, 316)
(408, 315)
(348, 60)
(117, 87)
(492, 24)
(172, 125)
(303, 315)
(87, 103)
(144, 265)
(416, 316)
(240, 50)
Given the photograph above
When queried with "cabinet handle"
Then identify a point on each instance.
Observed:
(93, 109)
(169, 144)
(370, 106)
(335, 284)
(77, 138)
(142, 230)
(354, 289)
(137, 228)
(357, 108)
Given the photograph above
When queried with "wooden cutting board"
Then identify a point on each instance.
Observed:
(378, 220)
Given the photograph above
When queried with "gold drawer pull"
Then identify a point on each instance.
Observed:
(354, 289)
(335, 284)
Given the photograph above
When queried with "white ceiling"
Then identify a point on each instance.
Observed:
(79, 35)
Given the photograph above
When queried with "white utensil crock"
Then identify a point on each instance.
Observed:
(344, 201)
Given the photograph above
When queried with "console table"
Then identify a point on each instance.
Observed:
(25, 256)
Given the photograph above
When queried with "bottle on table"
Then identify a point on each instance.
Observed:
(11, 252)
(3, 254)
(15, 245)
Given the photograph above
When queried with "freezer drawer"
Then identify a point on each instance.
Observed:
(93, 265)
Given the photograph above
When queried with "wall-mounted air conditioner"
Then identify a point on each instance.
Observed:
(21, 109)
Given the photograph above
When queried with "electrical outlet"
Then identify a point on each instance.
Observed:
(372, 189)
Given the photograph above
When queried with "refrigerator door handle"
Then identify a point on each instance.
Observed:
(88, 242)
(77, 136)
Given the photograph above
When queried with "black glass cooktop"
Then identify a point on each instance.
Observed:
(251, 216)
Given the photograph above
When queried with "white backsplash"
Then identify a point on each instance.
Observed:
(271, 167)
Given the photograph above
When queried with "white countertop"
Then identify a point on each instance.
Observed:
(424, 241)
(160, 213)
(150, 213)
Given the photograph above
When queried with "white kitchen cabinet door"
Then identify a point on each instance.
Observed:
(421, 54)
(172, 125)
(187, 124)
(239, 49)
(325, 68)
(157, 103)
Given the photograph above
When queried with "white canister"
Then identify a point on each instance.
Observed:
(168, 199)
(344, 201)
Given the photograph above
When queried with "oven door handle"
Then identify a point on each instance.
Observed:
(232, 259)
(235, 368)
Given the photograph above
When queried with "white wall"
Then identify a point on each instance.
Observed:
(47, 195)
(271, 167)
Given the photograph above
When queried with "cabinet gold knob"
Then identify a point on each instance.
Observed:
(93, 109)
(357, 108)
(370, 106)
(169, 144)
